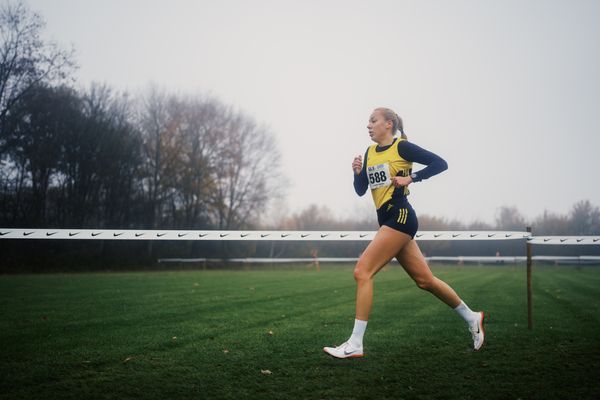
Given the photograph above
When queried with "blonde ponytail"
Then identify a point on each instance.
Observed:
(397, 125)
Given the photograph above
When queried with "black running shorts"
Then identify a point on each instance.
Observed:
(400, 217)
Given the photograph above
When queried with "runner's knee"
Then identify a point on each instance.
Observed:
(425, 283)
(361, 272)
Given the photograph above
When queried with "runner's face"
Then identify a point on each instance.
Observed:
(378, 127)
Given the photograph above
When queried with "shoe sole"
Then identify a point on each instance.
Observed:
(350, 356)
(481, 326)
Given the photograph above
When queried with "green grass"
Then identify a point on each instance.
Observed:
(201, 335)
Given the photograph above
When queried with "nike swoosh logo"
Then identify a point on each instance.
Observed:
(95, 234)
(244, 234)
(437, 235)
(51, 233)
(203, 234)
(579, 240)
(474, 234)
(4, 233)
(285, 234)
(224, 234)
(304, 235)
(343, 236)
(27, 233)
(455, 235)
(160, 234)
(508, 235)
(349, 352)
(181, 234)
(563, 240)
(139, 234)
(362, 235)
(595, 240)
(264, 235)
(491, 234)
(73, 234)
(117, 234)
(419, 235)
(325, 235)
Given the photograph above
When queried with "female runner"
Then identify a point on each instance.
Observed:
(387, 170)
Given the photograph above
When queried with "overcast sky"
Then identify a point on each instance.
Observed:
(507, 92)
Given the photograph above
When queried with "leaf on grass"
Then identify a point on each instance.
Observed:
(127, 359)
(265, 372)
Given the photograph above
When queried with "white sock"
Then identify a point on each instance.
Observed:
(358, 332)
(464, 311)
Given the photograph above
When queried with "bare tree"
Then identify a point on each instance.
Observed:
(247, 174)
(160, 122)
(25, 59)
(585, 219)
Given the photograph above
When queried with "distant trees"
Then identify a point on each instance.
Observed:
(97, 158)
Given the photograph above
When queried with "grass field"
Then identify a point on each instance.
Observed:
(214, 334)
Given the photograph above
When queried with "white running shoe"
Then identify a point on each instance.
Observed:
(477, 331)
(345, 350)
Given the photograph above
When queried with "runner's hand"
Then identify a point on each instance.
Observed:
(399, 181)
(357, 164)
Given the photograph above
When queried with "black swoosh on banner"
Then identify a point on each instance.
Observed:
(362, 235)
(139, 234)
(418, 235)
(264, 235)
(285, 235)
(73, 234)
(51, 233)
(95, 234)
(343, 235)
(203, 234)
(181, 234)
(305, 235)
(244, 234)
(224, 234)
(546, 240)
(27, 233)
(436, 235)
(117, 234)
(474, 234)
(491, 234)
(508, 235)
(563, 240)
(4, 233)
(160, 234)
(455, 235)
(324, 235)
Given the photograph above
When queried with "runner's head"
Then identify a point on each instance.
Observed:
(391, 120)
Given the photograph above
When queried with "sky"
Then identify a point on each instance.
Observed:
(507, 92)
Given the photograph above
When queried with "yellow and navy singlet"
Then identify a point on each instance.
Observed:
(381, 164)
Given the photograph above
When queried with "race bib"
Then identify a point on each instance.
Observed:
(379, 175)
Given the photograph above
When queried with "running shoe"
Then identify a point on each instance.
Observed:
(345, 350)
(477, 331)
